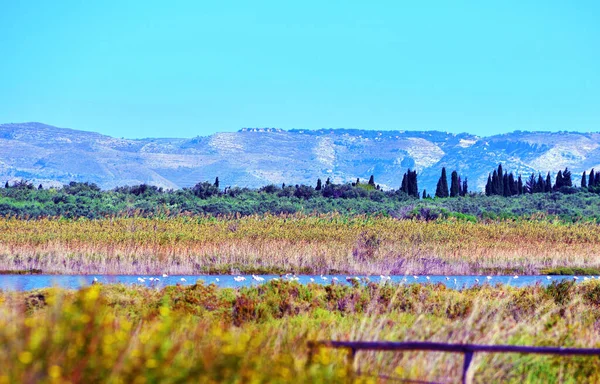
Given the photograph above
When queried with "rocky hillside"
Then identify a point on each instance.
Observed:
(255, 157)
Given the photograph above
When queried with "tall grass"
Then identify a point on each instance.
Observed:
(294, 243)
(201, 333)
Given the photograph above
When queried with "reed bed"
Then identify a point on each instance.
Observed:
(199, 333)
(294, 243)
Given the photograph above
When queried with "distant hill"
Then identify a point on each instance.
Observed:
(255, 157)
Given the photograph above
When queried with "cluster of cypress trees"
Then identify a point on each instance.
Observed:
(409, 184)
(503, 183)
(592, 181)
(458, 187)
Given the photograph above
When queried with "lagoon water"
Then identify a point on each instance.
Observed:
(29, 282)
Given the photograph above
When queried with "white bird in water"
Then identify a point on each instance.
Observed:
(515, 277)
(258, 278)
(575, 278)
(239, 278)
(335, 278)
(415, 277)
(323, 277)
(141, 280)
(183, 279)
(95, 279)
(165, 275)
(548, 277)
(217, 280)
(447, 278)
(312, 280)
(489, 277)
(427, 277)
(477, 280)
(151, 279)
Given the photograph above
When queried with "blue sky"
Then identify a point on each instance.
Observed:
(188, 68)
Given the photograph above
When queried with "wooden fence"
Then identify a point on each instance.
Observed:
(467, 349)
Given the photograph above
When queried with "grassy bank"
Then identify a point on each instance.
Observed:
(297, 243)
(206, 334)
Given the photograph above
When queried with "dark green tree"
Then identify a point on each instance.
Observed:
(488, 185)
(559, 180)
(500, 180)
(548, 184)
(217, 182)
(530, 185)
(520, 185)
(567, 178)
(506, 186)
(424, 194)
(591, 180)
(319, 186)
(442, 185)
(372, 180)
(584, 180)
(454, 186)
(465, 187)
(540, 185)
(6, 185)
(495, 190)
(512, 184)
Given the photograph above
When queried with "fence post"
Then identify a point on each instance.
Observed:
(466, 364)
(311, 352)
(350, 365)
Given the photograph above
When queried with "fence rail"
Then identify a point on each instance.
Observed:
(467, 349)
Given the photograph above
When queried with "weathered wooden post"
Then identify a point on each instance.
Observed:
(466, 364)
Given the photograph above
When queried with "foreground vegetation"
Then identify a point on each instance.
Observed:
(199, 333)
(295, 243)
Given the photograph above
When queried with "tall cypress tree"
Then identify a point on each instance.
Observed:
(424, 194)
(500, 180)
(591, 180)
(506, 186)
(584, 180)
(465, 187)
(540, 185)
(548, 184)
(567, 178)
(495, 184)
(460, 192)
(520, 185)
(442, 185)
(413, 187)
(512, 185)
(372, 180)
(488, 186)
(404, 185)
(530, 185)
(454, 188)
(559, 180)
(319, 186)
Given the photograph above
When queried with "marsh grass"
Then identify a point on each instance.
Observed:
(202, 333)
(295, 243)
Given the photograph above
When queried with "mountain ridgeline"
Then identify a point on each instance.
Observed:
(255, 157)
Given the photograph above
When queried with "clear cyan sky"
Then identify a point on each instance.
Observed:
(187, 68)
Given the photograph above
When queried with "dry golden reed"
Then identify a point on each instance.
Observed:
(295, 243)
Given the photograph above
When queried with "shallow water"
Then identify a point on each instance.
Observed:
(29, 282)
